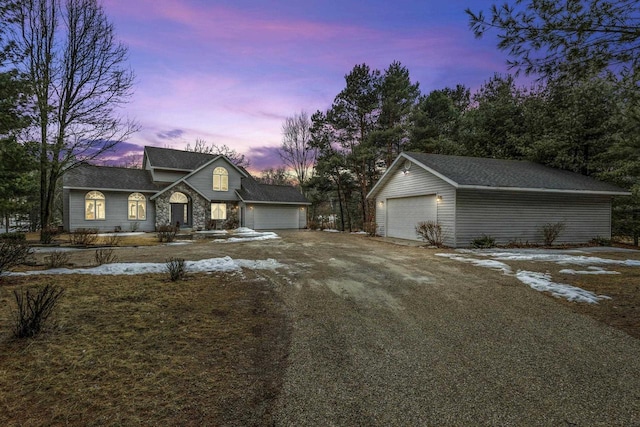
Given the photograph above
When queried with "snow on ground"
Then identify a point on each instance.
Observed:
(225, 264)
(496, 265)
(245, 234)
(331, 230)
(133, 233)
(558, 257)
(589, 270)
(543, 281)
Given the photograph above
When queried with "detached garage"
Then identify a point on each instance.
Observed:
(271, 207)
(508, 200)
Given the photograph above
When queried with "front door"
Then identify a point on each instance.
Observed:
(180, 214)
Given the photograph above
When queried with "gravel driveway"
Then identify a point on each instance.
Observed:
(392, 335)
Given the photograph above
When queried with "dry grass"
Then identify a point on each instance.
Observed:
(622, 311)
(208, 350)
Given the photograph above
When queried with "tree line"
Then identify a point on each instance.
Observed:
(588, 125)
(581, 114)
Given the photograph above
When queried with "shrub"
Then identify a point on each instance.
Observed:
(12, 253)
(47, 234)
(176, 268)
(34, 308)
(15, 235)
(112, 240)
(370, 228)
(600, 241)
(431, 232)
(232, 222)
(84, 236)
(550, 232)
(166, 233)
(133, 226)
(312, 225)
(105, 256)
(483, 242)
(57, 259)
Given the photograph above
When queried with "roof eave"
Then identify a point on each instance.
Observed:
(392, 169)
(129, 190)
(545, 190)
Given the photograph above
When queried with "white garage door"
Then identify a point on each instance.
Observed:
(404, 213)
(275, 217)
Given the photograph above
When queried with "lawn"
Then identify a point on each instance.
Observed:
(142, 350)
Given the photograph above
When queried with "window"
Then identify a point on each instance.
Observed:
(137, 206)
(218, 211)
(220, 179)
(94, 206)
(178, 197)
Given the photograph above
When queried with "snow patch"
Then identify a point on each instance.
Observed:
(558, 258)
(224, 264)
(542, 282)
(589, 270)
(132, 233)
(489, 263)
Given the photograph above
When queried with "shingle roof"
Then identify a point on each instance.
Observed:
(176, 159)
(518, 175)
(109, 177)
(252, 191)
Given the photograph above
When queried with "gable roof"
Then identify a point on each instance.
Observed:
(168, 158)
(92, 177)
(195, 171)
(497, 174)
(254, 192)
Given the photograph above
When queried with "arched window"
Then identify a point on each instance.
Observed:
(137, 207)
(220, 179)
(178, 197)
(94, 206)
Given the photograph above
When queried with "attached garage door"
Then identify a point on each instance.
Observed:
(275, 217)
(404, 213)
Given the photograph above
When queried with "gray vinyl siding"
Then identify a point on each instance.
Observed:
(115, 212)
(248, 216)
(160, 175)
(519, 216)
(65, 209)
(203, 182)
(418, 182)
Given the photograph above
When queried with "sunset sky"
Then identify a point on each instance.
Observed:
(231, 71)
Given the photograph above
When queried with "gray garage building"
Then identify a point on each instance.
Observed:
(509, 200)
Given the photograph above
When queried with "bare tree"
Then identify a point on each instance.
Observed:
(295, 151)
(202, 146)
(275, 176)
(79, 76)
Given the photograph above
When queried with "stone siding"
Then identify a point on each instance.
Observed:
(200, 207)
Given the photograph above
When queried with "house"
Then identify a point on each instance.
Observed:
(193, 190)
(508, 200)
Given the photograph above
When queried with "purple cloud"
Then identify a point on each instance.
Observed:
(170, 134)
(264, 157)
